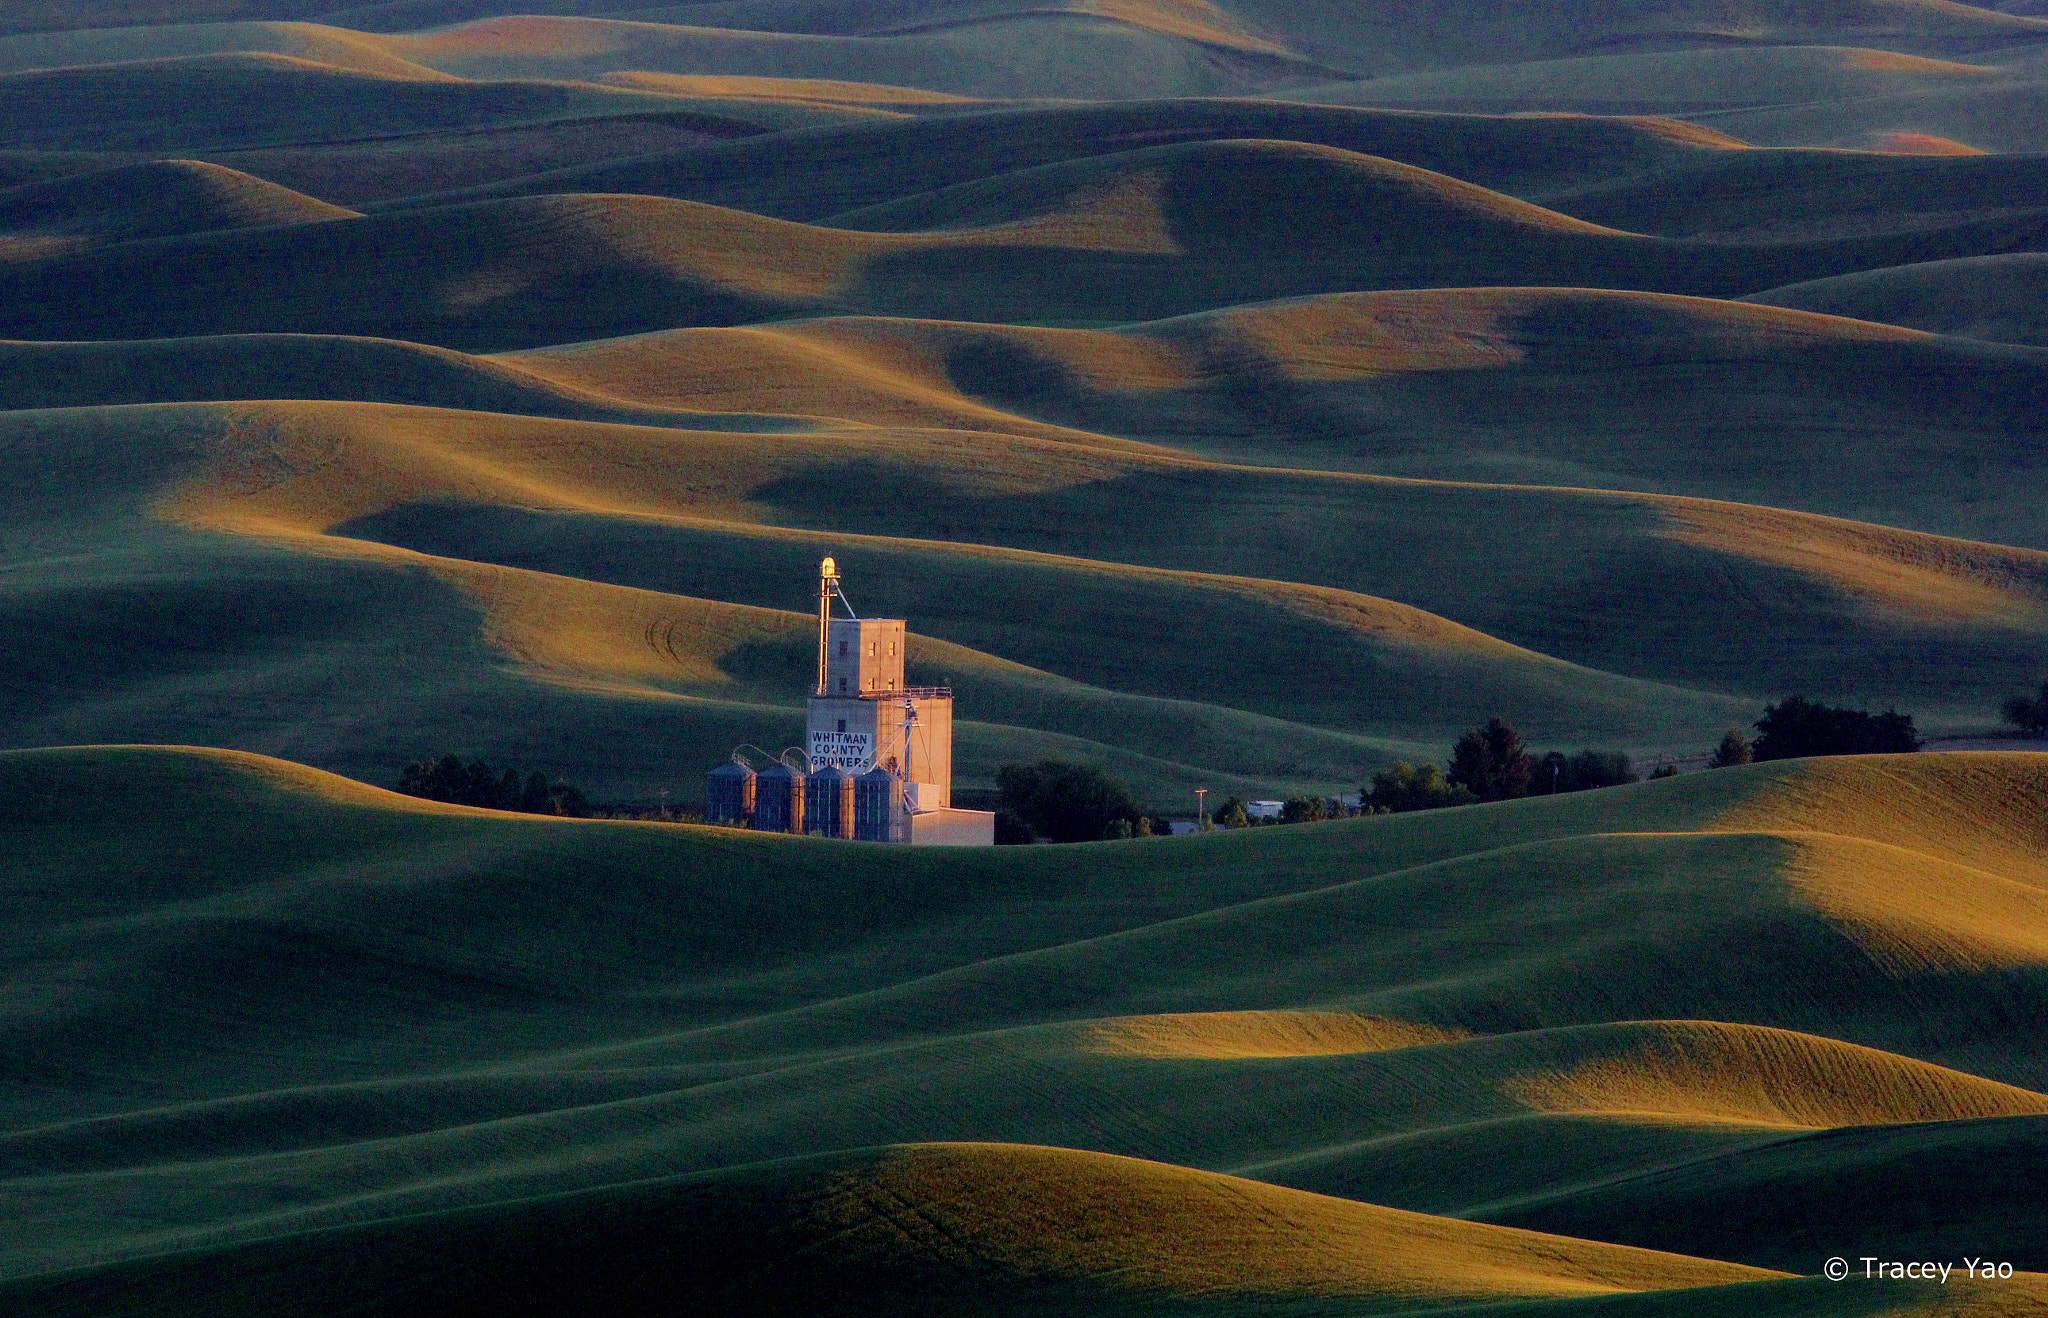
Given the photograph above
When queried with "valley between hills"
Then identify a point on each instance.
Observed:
(1234, 394)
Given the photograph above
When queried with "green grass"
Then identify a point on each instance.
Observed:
(1246, 221)
(1662, 82)
(315, 366)
(155, 200)
(825, 171)
(1789, 193)
(1999, 298)
(1343, 428)
(2004, 118)
(214, 102)
(273, 1002)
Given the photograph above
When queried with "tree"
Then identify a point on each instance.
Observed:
(1590, 769)
(1065, 802)
(1403, 786)
(2029, 713)
(1011, 830)
(1304, 809)
(1796, 727)
(1733, 750)
(1232, 815)
(476, 783)
(1491, 762)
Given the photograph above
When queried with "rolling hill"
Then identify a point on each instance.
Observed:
(1240, 396)
(828, 170)
(2001, 298)
(1667, 83)
(1340, 1033)
(153, 200)
(233, 100)
(1139, 235)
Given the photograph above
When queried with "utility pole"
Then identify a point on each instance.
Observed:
(1201, 810)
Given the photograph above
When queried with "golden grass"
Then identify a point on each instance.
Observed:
(1679, 130)
(1914, 915)
(300, 468)
(1347, 335)
(1196, 20)
(513, 35)
(744, 87)
(1229, 1034)
(1707, 1071)
(296, 470)
(1891, 61)
(1904, 575)
(1987, 810)
(860, 370)
(1923, 144)
(290, 472)
(889, 371)
(269, 772)
(760, 255)
(1048, 1213)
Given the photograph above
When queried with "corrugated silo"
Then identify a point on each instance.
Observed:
(729, 795)
(779, 800)
(828, 803)
(878, 806)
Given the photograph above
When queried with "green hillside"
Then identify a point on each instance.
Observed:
(2001, 298)
(437, 1050)
(2004, 118)
(214, 102)
(811, 175)
(1235, 396)
(153, 200)
(1764, 194)
(1140, 235)
(1685, 82)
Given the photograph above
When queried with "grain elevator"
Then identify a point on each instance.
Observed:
(877, 759)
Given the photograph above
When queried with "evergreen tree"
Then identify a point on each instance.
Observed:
(1491, 762)
(1733, 750)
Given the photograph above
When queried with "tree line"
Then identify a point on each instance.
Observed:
(1491, 763)
(477, 783)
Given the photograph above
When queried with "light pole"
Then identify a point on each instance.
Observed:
(1201, 812)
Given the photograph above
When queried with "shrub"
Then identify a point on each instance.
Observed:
(1664, 771)
(1232, 815)
(2029, 713)
(1796, 727)
(1066, 802)
(1404, 786)
(1491, 762)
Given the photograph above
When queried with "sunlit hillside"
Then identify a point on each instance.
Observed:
(1242, 396)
